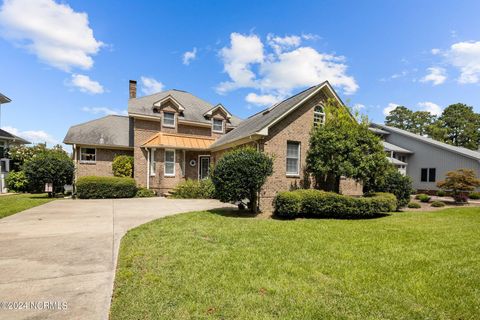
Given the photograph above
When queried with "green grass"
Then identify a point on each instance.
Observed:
(12, 204)
(201, 265)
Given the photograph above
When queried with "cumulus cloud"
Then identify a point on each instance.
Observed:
(262, 100)
(33, 136)
(105, 111)
(391, 106)
(466, 57)
(85, 84)
(436, 76)
(150, 85)
(281, 66)
(54, 32)
(189, 56)
(431, 107)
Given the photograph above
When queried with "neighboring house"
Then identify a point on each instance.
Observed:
(6, 140)
(425, 160)
(174, 136)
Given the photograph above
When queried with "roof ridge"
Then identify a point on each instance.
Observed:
(106, 116)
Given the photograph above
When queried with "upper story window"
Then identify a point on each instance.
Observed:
(293, 158)
(2, 149)
(217, 125)
(318, 116)
(88, 154)
(428, 175)
(168, 119)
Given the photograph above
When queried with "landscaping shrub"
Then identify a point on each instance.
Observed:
(423, 198)
(420, 195)
(398, 184)
(122, 166)
(414, 205)
(322, 204)
(474, 195)
(145, 193)
(105, 187)
(17, 181)
(441, 193)
(194, 189)
(438, 204)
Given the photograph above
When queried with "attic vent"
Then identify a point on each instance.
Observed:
(266, 111)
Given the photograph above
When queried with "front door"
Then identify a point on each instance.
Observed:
(204, 167)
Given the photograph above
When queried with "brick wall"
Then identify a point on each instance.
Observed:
(102, 165)
(142, 130)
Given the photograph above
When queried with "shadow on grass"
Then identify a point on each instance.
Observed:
(233, 213)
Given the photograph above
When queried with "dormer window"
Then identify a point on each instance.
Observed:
(318, 116)
(168, 119)
(217, 125)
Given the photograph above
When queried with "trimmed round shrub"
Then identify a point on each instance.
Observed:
(438, 204)
(474, 195)
(419, 195)
(398, 184)
(145, 193)
(414, 205)
(424, 198)
(321, 204)
(194, 189)
(441, 193)
(105, 187)
(17, 181)
(122, 166)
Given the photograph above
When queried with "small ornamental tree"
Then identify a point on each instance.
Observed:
(51, 166)
(122, 166)
(240, 174)
(343, 147)
(460, 182)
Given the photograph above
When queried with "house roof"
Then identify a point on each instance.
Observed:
(378, 131)
(396, 161)
(459, 150)
(112, 130)
(391, 147)
(5, 135)
(4, 99)
(194, 107)
(265, 118)
(178, 141)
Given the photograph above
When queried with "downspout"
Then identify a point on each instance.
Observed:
(148, 168)
(75, 169)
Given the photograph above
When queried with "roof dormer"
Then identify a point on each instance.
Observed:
(168, 101)
(218, 108)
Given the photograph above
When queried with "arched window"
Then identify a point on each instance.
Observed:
(318, 116)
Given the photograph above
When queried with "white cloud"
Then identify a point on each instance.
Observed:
(33, 136)
(262, 100)
(435, 51)
(358, 106)
(85, 84)
(285, 67)
(431, 107)
(105, 111)
(150, 85)
(466, 57)
(54, 32)
(189, 56)
(436, 76)
(391, 106)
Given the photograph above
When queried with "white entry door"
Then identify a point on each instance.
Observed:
(203, 167)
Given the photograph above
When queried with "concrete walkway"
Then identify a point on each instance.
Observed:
(60, 257)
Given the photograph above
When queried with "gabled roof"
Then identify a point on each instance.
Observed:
(178, 141)
(459, 150)
(111, 131)
(195, 108)
(5, 135)
(4, 99)
(210, 112)
(258, 124)
(391, 147)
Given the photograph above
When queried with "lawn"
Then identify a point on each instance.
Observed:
(12, 204)
(202, 265)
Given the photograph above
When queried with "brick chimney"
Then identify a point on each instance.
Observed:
(132, 88)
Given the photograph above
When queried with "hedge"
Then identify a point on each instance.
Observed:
(105, 187)
(194, 189)
(321, 204)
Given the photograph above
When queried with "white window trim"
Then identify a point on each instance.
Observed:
(213, 127)
(88, 161)
(152, 162)
(200, 164)
(291, 174)
(169, 125)
(165, 163)
(319, 113)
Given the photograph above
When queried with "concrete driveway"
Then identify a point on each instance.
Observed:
(60, 257)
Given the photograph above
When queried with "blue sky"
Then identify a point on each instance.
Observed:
(63, 63)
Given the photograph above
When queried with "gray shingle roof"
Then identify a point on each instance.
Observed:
(459, 150)
(263, 118)
(112, 130)
(195, 108)
(391, 147)
(9, 136)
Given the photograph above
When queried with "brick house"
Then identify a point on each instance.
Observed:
(174, 136)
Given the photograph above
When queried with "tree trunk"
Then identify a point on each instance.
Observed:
(253, 204)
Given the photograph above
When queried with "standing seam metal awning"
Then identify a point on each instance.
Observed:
(178, 141)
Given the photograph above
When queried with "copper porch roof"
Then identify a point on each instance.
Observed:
(178, 141)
